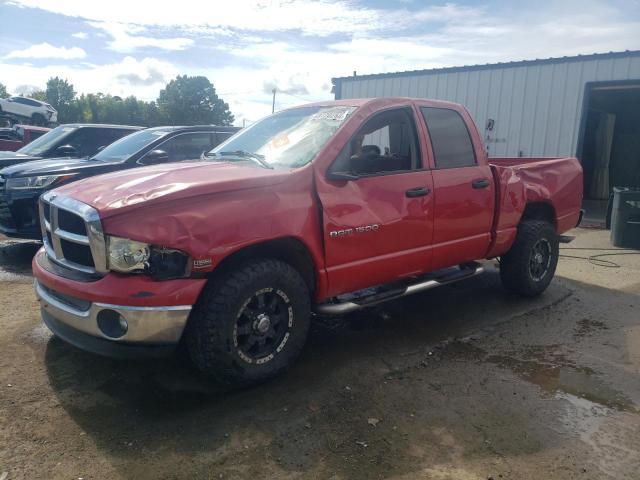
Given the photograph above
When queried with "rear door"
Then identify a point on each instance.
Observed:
(377, 225)
(463, 189)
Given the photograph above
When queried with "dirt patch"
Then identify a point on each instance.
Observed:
(463, 382)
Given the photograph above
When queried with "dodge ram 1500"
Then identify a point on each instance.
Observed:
(328, 207)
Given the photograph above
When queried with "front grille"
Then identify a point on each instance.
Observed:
(6, 219)
(72, 233)
(71, 222)
(80, 254)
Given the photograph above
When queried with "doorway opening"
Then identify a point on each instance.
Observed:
(609, 148)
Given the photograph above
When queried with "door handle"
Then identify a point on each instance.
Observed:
(480, 183)
(417, 192)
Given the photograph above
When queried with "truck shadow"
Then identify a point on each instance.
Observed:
(411, 365)
(16, 256)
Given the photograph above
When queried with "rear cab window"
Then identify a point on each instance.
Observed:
(450, 138)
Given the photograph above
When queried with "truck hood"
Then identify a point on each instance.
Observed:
(122, 191)
(54, 166)
(11, 158)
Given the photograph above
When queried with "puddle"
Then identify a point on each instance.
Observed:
(611, 439)
(554, 373)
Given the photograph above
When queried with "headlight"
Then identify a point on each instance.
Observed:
(131, 256)
(24, 183)
(126, 255)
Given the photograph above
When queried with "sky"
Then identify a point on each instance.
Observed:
(247, 48)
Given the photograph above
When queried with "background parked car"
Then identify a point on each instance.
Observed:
(21, 185)
(12, 139)
(75, 140)
(37, 112)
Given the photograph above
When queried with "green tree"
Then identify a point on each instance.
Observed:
(193, 100)
(38, 95)
(3, 91)
(61, 95)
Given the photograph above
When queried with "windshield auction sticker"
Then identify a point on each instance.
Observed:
(280, 141)
(335, 114)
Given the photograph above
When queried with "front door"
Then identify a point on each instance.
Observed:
(377, 203)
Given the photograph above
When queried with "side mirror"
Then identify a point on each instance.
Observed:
(154, 157)
(66, 151)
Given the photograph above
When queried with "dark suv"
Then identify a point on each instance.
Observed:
(75, 140)
(21, 185)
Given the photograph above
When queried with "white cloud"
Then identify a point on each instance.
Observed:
(143, 78)
(335, 38)
(46, 50)
(123, 41)
(80, 35)
(317, 17)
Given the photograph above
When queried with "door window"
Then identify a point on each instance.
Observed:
(450, 139)
(26, 101)
(386, 143)
(187, 146)
(87, 141)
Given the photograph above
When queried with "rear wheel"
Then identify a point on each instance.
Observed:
(38, 119)
(528, 267)
(250, 324)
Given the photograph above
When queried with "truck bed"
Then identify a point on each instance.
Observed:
(552, 184)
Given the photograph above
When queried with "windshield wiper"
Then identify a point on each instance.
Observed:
(256, 157)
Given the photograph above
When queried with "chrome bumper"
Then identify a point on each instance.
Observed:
(145, 325)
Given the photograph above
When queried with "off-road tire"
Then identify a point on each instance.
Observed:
(38, 120)
(516, 269)
(211, 336)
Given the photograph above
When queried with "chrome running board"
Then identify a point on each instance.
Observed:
(340, 307)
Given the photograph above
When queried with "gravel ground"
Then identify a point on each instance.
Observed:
(461, 382)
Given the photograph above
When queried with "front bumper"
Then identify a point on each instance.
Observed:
(78, 322)
(19, 214)
(82, 311)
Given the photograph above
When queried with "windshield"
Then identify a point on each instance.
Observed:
(124, 148)
(289, 139)
(45, 142)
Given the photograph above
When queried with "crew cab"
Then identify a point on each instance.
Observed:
(21, 185)
(12, 139)
(73, 140)
(328, 207)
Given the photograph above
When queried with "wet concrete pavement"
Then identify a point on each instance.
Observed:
(461, 382)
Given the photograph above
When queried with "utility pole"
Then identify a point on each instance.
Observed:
(273, 104)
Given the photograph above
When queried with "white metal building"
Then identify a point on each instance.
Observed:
(587, 105)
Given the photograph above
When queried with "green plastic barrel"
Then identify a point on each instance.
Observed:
(625, 218)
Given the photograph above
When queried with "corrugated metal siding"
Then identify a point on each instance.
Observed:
(537, 108)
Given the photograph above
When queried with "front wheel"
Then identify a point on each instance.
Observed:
(250, 324)
(528, 267)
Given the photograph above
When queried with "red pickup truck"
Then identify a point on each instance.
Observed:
(328, 207)
(12, 139)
